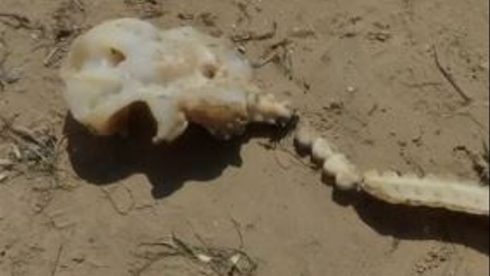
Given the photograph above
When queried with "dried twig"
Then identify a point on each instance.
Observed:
(21, 20)
(222, 261)
(484, 169)
(252, 36)
(146, 9)
(277, 53)
(79, 5)
(48, 60)
(67, 17)
(57, 260)
(236, 224)
(450, 78)
(39, 151)
(480, 161)
(5, 76)
(17, 21)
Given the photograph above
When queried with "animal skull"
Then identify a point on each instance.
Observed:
(181, 74)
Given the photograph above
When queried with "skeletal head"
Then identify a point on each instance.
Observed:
(181, 74)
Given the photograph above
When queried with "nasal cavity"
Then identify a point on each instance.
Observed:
(116, 56)
(209, 71)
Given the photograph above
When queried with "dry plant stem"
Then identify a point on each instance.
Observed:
(272, 54)
(17, 21)
(57, 260)
(236, 224)
(32, 151)
(6, 77)
(222, 261)
(450, 78)
(26, 134)
(49, 58)
(22, 20)
(251, 36)
(79, 5)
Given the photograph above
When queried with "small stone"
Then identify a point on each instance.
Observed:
(3, 176)
(34, 36)
(420, 269)
(485, 65)
(241, 49)
(6, 163)
(351, 89)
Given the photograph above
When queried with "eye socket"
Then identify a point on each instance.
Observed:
(116, 56)
(209, 71)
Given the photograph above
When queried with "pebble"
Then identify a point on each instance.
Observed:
(351, 89)
(3, 176)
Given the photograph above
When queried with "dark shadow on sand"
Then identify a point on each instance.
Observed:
(196, 155)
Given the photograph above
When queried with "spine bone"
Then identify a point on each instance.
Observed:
(334, 163)
(430, 191)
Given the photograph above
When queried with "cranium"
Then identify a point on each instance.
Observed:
(181, 74)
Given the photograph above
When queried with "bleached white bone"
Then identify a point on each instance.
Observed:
(430, 191)
(181, 74)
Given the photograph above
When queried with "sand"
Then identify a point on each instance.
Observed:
(363, 72)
